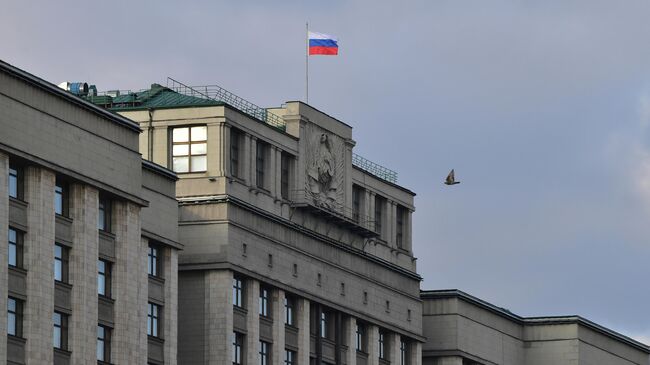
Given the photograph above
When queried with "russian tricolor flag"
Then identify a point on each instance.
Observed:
(323, 44)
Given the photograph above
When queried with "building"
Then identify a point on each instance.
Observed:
(296, 250)
(89, 271)
(464, 330)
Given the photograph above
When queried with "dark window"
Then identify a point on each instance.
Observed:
(153, 320)
(285, 171)
(288, 310)
(324, 333)
(153, 260)
(104, 278)
(235, 147)
(14, 317)
(289, 357)
(382, 345)
(264, 353)
(356, 202)
(399, 232)
(103, 343)
(60, 263)
(60, 322)
(237, 345)
(190, 149)
(237, 291)
(264, 302)
(360, 340)
(15, 182)
(61, 198)
(260, 167)
(403, 352)
(379, 216)
(104, 215)
(15, 258)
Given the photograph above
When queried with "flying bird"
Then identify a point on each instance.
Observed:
(450, 179)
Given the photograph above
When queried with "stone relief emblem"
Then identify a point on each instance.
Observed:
(325, 171)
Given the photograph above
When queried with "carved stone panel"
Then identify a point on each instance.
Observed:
(325, 169)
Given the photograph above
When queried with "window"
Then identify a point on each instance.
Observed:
(399, 232)
(237, 290)
(60, 321)
(15, 248)
(403, 352)
(379, 210)
(153, 320)
(103, 343)
(361, 333)
(153, 262)
(356, 202)
(284, 175)
(288, 311)
(15, 182)
(289, 357)
(264, 353)
(104, 215)
(264, 302)
(104, 278)
(382, 344)
(260, 155)
(189, 149)
(61, 198)
(235, 147)
(237, 344)
(14, 317)
(323, 325)
(60, 263)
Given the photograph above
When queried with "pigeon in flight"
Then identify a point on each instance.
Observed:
(450, 179)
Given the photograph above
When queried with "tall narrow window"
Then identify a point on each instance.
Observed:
(237, 289)
(153, 318)
(15, 258)
(152, 258)
(15, 182)
(379, 210)
(103, 278)
(323, 325)
(382, 345)
(285, 171)
(189, 149)
(61, 198)
(288, 311)
(289, 357)
(103, 343)
(237, 344)
(260, 166)
(14, 317)
(356, 202)
(264, 353)
(104, 215)
(235, 147)
(399, 231)
(361, 332)
(60, 324)
(403, 352)
(60, 263)
(264, 302)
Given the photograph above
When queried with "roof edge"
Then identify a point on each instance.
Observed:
(160, 170)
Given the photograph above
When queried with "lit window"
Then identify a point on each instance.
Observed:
(60, 263)
(264, 353)
(103, 278)
(103, 344)
(264, 302)
(237, 344)
(189, 149)
(153, 317)
(60, 338)
(237, 288)
(14, 317)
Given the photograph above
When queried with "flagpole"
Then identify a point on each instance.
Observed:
(307, 64)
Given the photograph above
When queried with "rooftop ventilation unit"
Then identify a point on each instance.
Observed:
(77, 88)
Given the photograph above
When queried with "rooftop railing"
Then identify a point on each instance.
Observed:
(374, 169)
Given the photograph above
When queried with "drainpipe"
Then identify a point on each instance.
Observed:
(150, 136)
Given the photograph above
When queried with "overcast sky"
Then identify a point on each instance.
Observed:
(542, 107)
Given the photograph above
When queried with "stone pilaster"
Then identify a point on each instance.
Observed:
(130, 286)
(170, 311)
(272, 170)
(4, 227)
(303, 331)
(373, 344)
(244, 160)
(218, 317)
(415, 355)
(39, 263)
(350, 340)
(278, 173)
(393, 347)
(251, 348)
(84, 201)
(391, 222)
(278, 327)
(371, 212)
(218, 149)
(408, 227)
(252, 160)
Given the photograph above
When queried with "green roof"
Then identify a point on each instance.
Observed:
(157, 96)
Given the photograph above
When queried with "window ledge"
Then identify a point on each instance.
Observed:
(18, 270)
(155, 339)
(63, 218)
(239, 309)
(266, 319)
(63, 284)
(16, 339)
(157, 278)
(62, 351)
(106, 234)
(105, 298)
(18, 201)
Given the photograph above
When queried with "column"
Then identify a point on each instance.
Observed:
(273, 169)
(351, 341)
(303, 331)
(391, 222)
(84, 201)
(4, 274)
(278, 327)
(415, 355)
(278, 173)
(394, 348)
(253, 161)
(244, 159)
(39, 259)
(251, 348)
(408, 227)
(371, 211)
(218, 317)
(130, 284)
(373, 345)
(170, 315)
(218, 148)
